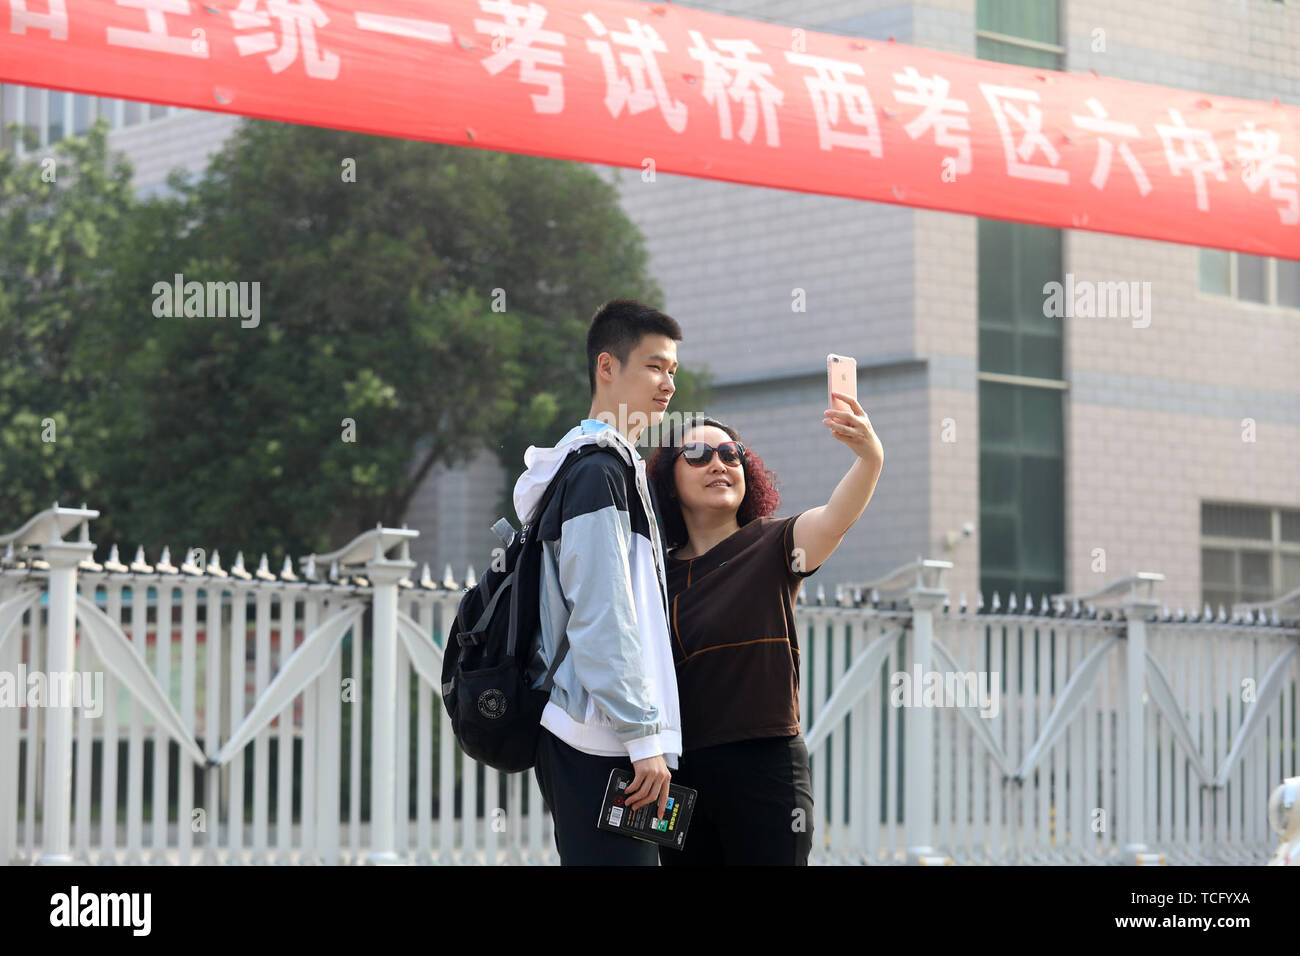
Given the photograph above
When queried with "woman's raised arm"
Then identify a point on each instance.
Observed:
(819, 531)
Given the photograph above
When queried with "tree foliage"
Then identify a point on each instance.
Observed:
(435, 297)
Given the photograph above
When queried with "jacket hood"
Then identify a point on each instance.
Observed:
(542, 462)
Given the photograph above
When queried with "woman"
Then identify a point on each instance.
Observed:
(733, 573)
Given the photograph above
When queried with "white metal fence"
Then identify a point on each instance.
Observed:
(254, 717)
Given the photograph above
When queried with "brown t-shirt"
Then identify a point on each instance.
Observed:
(734, 640)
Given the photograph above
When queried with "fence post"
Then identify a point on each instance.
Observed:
(918, 772)
(63, 557)
(384, 573)
(1136, 609)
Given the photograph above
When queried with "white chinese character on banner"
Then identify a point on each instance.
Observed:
(828, 88)
(156, 37)
(939, 114)
(523, 34)
(298, 21)
(54, 20)
(646, 89)
(1189, 158)
(728, 76)
(429, 30)
(1100, 123)
(1030, 120)
(1264, 164)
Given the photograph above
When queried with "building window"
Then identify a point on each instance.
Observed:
(1249, 553)
(1246, 278)
(83, 113)
(50, 115)
(1020, 369)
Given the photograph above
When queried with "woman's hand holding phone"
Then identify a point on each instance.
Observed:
(854, 429)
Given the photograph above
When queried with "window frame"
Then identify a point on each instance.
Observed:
(41, 121)
(1233, 296)
(1275, 547)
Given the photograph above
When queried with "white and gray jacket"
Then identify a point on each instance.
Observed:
(603, 581)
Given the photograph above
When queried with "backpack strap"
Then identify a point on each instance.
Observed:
(475, 634)
(562, 649)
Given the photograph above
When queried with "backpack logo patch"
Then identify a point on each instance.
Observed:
(492, 704)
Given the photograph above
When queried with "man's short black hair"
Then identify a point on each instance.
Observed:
(618, 327)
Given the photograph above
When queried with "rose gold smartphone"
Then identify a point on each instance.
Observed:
(841, 376)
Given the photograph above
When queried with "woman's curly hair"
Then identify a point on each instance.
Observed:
(761, 497)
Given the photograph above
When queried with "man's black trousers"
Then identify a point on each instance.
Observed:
(573, 784)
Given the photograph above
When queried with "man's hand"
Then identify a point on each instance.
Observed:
(650, 784)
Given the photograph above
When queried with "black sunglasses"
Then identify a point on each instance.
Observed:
(698, 453)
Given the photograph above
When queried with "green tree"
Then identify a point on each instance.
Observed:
(435, 296)
(59, 218)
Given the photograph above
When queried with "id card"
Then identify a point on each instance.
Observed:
(643, 823)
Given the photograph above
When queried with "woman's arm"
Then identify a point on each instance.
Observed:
(819, 531)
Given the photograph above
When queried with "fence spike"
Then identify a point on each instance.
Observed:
(979, 602)
(263, 572)
(426, 579)
(448, 581)
(188, 566)
(1222, 615)
(214, 565)
(164, 565)
(471, 578)
(286, 572)
(1043, 607)
(821, 594)
(962, 602)
(114, 563)
(334, 570)
(237, 570)
(1276, 621)
(875, 597)
(309, 568)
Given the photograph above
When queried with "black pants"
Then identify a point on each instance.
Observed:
(573, 785)
(755, 804)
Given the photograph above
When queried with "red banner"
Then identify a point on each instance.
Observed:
(682, 91)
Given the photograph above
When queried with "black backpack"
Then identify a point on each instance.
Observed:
(494, 713)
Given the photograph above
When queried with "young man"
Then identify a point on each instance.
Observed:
(614, 700)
